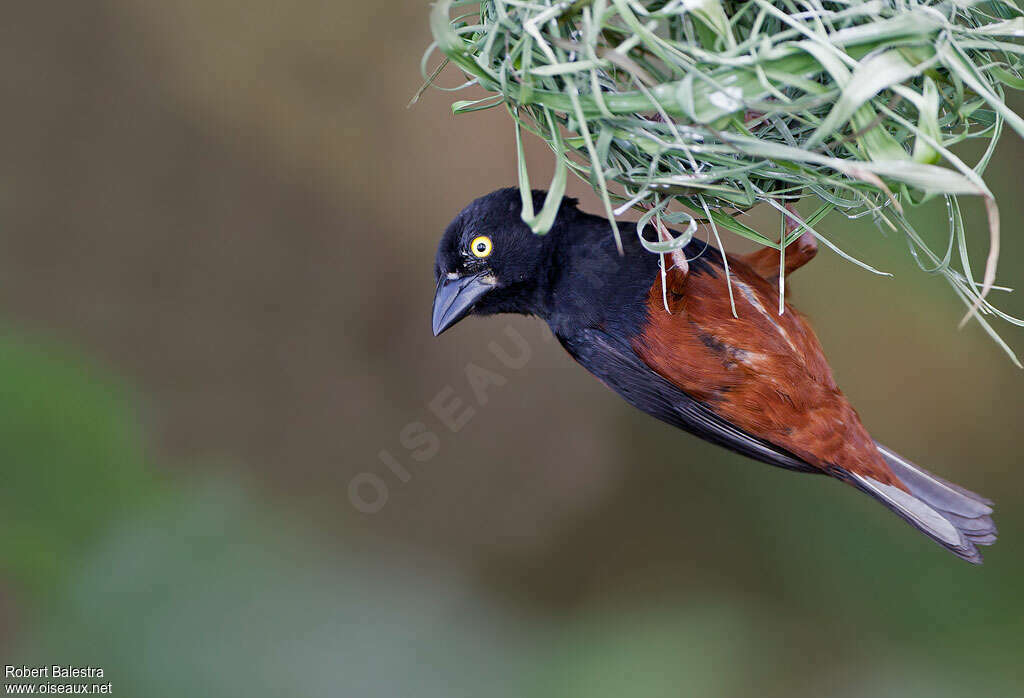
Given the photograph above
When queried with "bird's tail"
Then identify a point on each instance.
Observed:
(956, 518)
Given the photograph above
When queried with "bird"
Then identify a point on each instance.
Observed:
(660, 330)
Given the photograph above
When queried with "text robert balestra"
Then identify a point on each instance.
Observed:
(52, 671)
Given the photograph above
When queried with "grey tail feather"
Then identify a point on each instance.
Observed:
(954, 517)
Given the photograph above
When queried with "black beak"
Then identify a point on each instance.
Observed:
(454, 298)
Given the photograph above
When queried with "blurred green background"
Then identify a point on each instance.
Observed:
(218, 223)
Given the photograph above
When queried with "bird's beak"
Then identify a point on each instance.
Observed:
(455, 297)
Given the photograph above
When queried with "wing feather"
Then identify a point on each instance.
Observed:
(760, 371)
(619, 367)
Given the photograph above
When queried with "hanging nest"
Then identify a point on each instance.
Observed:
(713, 107)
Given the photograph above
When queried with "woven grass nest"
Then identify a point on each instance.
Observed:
(694, 111)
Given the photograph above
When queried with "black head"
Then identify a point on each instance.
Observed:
(489, 261)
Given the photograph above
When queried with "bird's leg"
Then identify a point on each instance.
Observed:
(678, 256)
(766, 260)
(672, 276)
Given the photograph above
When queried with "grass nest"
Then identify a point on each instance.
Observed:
(694, 111)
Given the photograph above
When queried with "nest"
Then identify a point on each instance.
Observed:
(694, 111)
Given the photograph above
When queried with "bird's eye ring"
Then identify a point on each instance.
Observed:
(481, 246)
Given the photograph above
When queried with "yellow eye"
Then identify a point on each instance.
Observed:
(481, 246)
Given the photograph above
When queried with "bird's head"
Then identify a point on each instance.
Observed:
(488, 260)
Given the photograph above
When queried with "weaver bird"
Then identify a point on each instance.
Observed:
(664, 337)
